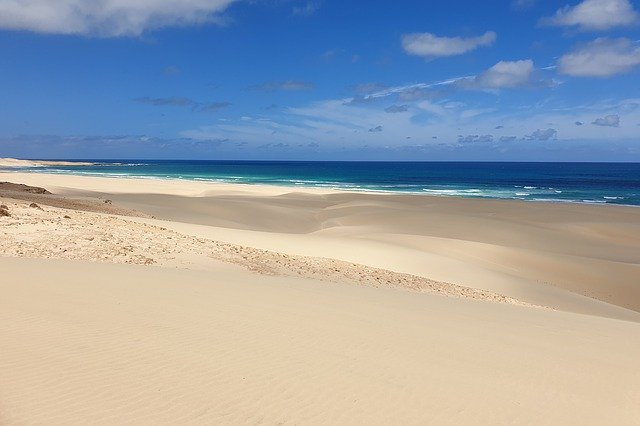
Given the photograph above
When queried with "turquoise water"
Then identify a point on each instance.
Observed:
(603, 183)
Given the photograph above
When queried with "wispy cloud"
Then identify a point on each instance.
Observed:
(394, 109)
(213, 107)
(409, 92)
(172, 70)
(117, 146)
(288, 85)
(334, 125)
(367, 88)
(308, 8)
(184, 102)
(173, 100)
(504, 74)
(522, 4)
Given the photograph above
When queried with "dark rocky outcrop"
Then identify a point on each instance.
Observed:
(18, 187)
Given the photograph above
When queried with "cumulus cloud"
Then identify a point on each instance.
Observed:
(396, 108)
(107, 18)
(579, 123)
(504, 74)
(601, 58)
(542, 135)
(289, 85)
(612, 120)
(376, 129)
(595, 15)
(430, 45)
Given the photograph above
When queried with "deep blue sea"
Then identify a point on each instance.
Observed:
(605, 183)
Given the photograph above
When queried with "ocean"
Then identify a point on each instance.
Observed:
(601, 183)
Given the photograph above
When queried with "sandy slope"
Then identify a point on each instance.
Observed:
(46, 232)
(162, 323)
(132, 344)
(570, 257)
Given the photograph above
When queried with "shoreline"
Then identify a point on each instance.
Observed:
(19, 163)
(492, 245)
(171, 302)
(283, 188)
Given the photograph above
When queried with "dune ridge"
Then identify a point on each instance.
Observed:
(579, 258)
(54, 233)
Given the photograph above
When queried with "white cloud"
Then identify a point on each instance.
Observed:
(429, 45)
(542, 135)
(107, 18)
(333, 125)
(601, 58)
(595, 15)
(611, 120)
(504, 74)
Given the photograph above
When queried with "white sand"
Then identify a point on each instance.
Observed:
(566, 256)
(14, 162)
(169, 326)
(103, 344)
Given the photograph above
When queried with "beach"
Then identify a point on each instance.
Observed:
(165, 301)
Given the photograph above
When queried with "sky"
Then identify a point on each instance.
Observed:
(511, 80)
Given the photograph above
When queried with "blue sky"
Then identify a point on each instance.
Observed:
(320, 79)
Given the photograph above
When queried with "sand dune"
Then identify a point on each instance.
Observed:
(569, 257)
(241, 304)
(131, 344)
(29, 230)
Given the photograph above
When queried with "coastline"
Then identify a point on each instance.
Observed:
(206, 297)
(548, 254)
(280, 188)
(16, 162)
